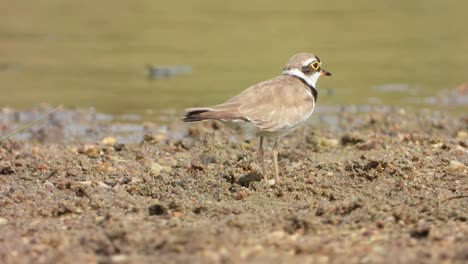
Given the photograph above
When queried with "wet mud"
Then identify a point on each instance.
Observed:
(387, 186)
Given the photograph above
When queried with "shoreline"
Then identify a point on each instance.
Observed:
(75, 125)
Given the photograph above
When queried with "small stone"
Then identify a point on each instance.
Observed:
(119, 258)
(368, 145)
(36, 151)
(119, 147)
(352, 139)
(6, 168)
(176, 214)
(49, 186)
(136, 179)
(271, 182)
(456, 166)
(159, 137)
(193, 131)
(462, 135)
(103, 185)
(380, 224)
(241, 195)
(154, 139)
(109, 141)
(421, 230)
(157, 169)
(73, 150)
(42, 167)
(99, 219)
(157, 209)
(87, 183)
(197, 166)
(329, 142)
(89, 149)
(3, 221)
(276, 235)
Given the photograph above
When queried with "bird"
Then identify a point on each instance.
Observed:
(166, 72)
(270, 109)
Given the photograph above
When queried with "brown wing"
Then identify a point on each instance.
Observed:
(271, 105)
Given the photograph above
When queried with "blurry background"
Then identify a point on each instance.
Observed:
(94, 53)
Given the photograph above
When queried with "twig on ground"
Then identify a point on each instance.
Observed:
(455, 197)
(30, 124)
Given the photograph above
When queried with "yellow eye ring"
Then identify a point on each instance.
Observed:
(315, 65)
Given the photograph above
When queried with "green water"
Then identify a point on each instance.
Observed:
(93, 53)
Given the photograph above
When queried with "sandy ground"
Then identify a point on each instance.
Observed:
(383, 187)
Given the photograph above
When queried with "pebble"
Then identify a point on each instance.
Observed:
(456, 166)
(276, 235)
(462, 135)
(103, 185)
(119, 258)
(329, 142)
(157, 169)
(49, 186)
(89, 149)
(3, 221)
(241, 195)
(109, 141)
(87, 183)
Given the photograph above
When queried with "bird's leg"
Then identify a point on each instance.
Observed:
(275, 158)
(261, 156)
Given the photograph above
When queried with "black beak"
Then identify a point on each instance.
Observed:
(324, 72)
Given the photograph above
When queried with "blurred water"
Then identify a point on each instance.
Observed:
(95, 53)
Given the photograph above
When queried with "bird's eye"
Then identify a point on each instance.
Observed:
(315, 65)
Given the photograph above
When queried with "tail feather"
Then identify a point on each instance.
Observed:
(196, 114)
(200, 114)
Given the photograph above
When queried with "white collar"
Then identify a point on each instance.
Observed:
(310, 80)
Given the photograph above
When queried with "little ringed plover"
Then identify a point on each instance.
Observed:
(272, 108)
